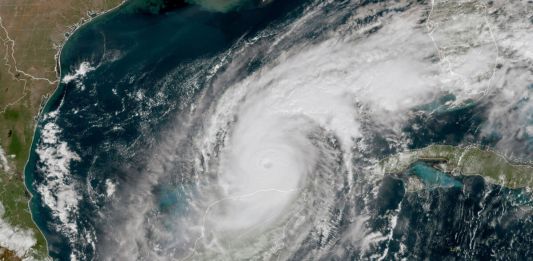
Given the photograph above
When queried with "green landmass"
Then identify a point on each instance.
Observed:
(14, 199)
(466, 161)
(31, 35)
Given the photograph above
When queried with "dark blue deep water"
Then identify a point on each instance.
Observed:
(143, 60)
(136, 50)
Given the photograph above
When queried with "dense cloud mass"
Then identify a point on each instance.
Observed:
(267, 155)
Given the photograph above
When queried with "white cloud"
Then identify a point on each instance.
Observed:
(259, 169)
(58, 190)
(14, 238)
(3, 161)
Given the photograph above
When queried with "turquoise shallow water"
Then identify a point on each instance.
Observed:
(149, 64)
(433, 177)
(142, 57)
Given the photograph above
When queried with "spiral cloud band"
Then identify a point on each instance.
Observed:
(271, 157)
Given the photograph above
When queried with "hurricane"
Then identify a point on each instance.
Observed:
(255, 134)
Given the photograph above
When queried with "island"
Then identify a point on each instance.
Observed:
(439, 163)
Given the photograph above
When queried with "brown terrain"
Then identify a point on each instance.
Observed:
(31, 35)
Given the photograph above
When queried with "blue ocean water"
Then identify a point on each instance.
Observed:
(432, 177)
(149, 62)
(435, 223)
(142, 58)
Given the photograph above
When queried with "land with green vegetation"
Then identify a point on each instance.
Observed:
(470, 160)
(31, 35)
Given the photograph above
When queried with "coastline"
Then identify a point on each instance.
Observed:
(45, 107)
(132, 194)
(468, 160)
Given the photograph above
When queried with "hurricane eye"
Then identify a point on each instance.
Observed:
(267, 130)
